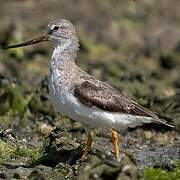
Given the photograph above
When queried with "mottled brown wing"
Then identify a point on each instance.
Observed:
(92, 92)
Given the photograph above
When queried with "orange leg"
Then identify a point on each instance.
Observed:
(116, 142)
(88, 145)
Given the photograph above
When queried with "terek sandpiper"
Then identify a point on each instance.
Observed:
(81, 96)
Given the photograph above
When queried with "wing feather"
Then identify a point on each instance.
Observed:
(92, 92)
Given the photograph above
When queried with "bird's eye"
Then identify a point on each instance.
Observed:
(56, 28)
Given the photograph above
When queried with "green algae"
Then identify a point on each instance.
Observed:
(14, 104)
(162, 174)
(23, 153)
(18, 101)
(31, 153)
(5, 151)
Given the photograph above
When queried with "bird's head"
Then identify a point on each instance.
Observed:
(59, 31)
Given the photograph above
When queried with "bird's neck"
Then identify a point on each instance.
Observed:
(62, 64)
(65, 53)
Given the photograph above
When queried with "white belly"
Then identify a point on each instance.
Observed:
(66, 103)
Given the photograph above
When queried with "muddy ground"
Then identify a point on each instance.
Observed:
(132, 45)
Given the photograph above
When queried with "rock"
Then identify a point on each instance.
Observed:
(45, 129)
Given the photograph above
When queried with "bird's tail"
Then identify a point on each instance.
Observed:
(165, 120)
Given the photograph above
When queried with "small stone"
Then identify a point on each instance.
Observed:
(77, 126)
(148, 135)
(2, 175)
(16, 176)
(162, 138)
(44, 129)
(36, 175)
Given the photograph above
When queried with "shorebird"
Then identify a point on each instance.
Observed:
(81, 96)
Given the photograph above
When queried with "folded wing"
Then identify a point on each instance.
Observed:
(92, 92)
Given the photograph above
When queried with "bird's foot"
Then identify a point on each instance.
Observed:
(116, 143)
(88, 146)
